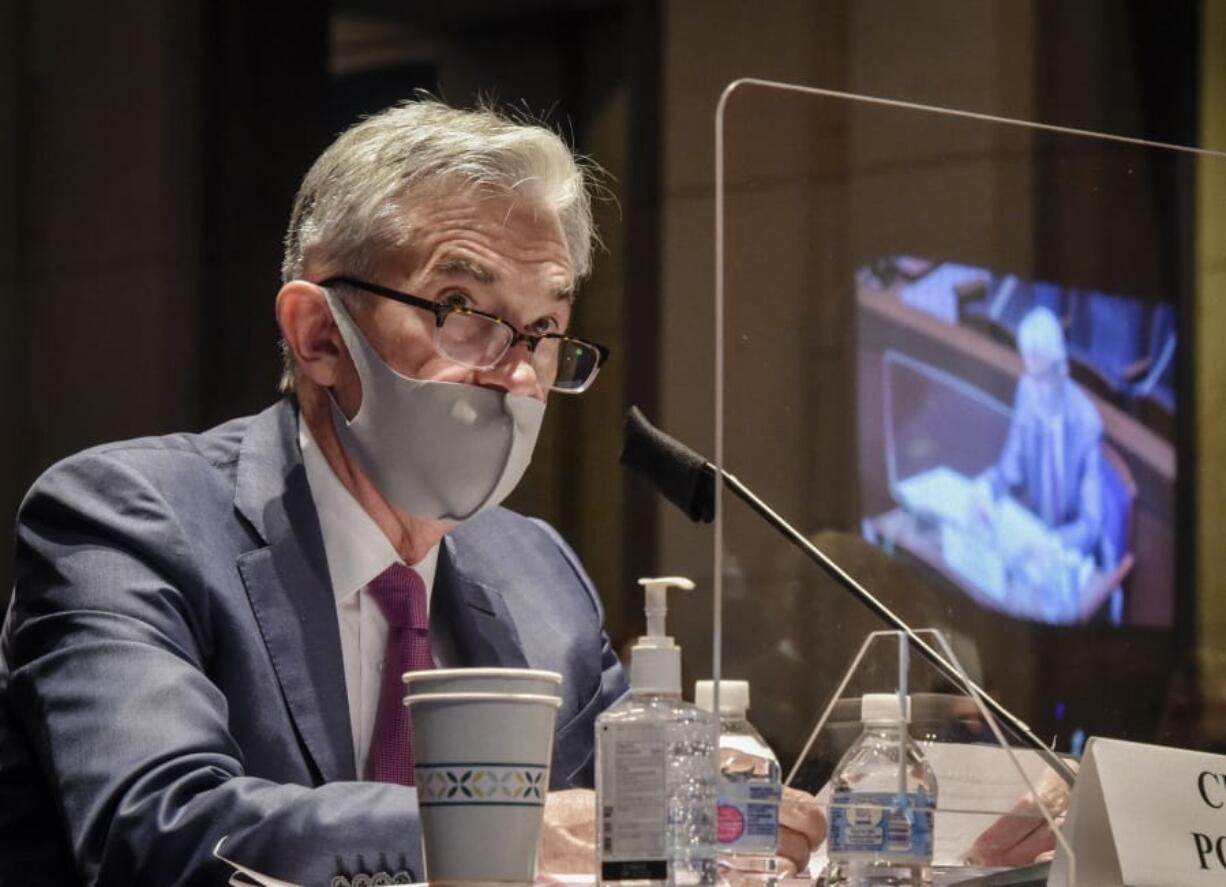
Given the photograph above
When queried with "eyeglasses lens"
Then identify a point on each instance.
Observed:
(576, 362)
(473, 340)
(477, 341)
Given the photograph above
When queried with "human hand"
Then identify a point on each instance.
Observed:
(802, 828)
(983, 507)
(568, 833)
(1022, 835)
(802, 824)
(1040, 563)
(568, 829)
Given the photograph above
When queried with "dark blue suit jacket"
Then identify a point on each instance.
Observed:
(170, 666)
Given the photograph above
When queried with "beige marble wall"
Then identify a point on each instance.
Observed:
(1211, 327)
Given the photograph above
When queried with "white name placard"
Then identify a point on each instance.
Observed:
(1146, 816)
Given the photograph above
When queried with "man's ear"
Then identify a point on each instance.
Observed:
(310, 331)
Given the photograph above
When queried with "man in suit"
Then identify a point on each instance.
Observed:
(1052, 458)
(207, 630)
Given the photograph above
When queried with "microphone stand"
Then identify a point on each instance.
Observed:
(835, 572)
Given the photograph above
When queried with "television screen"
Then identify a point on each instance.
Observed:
(1017, 439)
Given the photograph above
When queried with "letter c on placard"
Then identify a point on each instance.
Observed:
(1200, 785)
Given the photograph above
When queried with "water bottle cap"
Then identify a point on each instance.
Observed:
(883, 708)
(733, 697)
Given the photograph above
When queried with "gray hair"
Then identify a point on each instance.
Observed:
(1040, 334)
(350, 209)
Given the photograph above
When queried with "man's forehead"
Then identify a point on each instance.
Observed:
(454, 264)
(456, 226)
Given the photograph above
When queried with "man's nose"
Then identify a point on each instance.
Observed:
(515, 373)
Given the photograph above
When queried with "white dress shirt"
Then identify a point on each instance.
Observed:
(357, 551)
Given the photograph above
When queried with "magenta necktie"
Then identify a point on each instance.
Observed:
(401, 595)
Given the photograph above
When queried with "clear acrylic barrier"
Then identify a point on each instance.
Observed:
(956, 355)
(993, 804)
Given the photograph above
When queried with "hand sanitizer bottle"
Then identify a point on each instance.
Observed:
(881, 809)
(747, 824)
(656, 769)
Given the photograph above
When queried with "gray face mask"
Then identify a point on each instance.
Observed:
(433, 449)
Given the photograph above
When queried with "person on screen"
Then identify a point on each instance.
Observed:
(1052, 457)
(207, 631)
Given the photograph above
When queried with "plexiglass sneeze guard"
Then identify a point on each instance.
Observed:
(953, 352)
(993, 806)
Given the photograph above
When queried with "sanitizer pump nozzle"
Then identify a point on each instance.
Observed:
(655, 661)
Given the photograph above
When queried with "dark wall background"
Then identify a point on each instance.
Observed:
(149, 152)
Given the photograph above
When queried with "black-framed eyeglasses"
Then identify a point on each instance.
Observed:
(479, 340)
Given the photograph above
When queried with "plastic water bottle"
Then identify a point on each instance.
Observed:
(656, 769)
(750, 784)
(882, 805)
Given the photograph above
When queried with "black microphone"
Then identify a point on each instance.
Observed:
(688, 481)
(682, 476)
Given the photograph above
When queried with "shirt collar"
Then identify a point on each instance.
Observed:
(356, 549)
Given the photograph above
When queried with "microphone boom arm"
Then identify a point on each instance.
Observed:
(835, 572)
(688, 481)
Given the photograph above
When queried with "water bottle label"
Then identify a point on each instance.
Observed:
(634, 802)
(881, 825)
(749, 816)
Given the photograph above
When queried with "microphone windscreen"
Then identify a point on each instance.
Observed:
(681, 475)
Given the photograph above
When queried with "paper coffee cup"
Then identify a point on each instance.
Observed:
(482, 680)
(482, 772)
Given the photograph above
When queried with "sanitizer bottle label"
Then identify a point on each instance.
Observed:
(634, 803)
(881, 826)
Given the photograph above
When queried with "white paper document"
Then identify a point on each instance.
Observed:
(245, 877)
(977, 786)
(941, 492)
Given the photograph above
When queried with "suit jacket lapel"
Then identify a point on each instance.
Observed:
(291, 596)
(474, 612)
